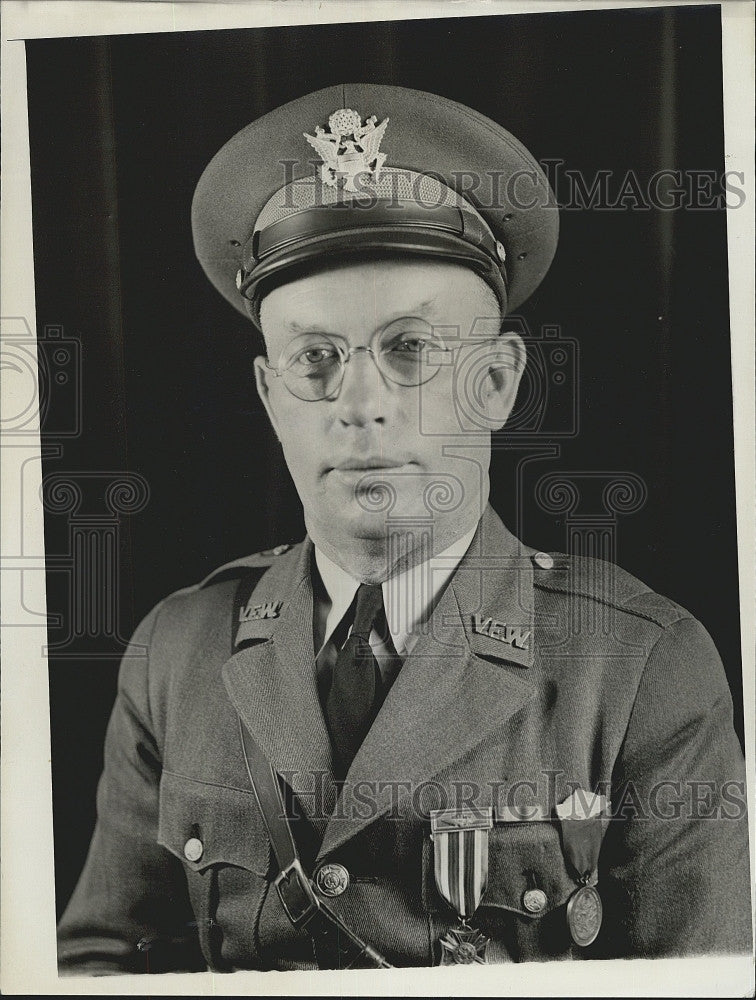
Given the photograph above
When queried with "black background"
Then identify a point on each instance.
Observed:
(121, 129)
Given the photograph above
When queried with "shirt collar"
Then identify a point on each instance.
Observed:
(408, 597)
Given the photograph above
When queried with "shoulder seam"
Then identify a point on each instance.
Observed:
(263, 560)
(611, 604)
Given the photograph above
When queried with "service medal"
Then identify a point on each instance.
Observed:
(460, 856)
(463, 946)
(583, 817)
(584, 913)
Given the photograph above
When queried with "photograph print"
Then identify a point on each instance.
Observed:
(389, 493)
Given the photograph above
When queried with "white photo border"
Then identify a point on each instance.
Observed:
(29, 964)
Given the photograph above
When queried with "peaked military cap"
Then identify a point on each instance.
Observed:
(362, 168)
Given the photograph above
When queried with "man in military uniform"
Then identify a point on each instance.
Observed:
(393, 743)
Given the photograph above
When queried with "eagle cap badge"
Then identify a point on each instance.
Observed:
(349, 148)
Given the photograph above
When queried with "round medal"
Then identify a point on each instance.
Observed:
(584, 912)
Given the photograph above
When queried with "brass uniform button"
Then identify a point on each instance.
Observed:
(535, 900)
(193, 849)
(331, 879)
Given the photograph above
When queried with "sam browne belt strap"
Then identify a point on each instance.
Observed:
(336, 945)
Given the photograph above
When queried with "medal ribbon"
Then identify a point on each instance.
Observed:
(461, 868)
(460, 856)
(581, 841)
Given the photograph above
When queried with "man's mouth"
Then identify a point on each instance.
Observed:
(367, 464)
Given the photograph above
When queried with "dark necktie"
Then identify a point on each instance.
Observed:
(356, 692)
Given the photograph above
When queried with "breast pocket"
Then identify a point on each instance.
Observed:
(218, 834)
(204, 824)
(526, 869)
(523, 909)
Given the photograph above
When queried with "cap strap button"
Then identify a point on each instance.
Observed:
(544, 560)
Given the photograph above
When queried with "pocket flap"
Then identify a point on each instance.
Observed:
(526, 870)
(204, 824)
(524, 856)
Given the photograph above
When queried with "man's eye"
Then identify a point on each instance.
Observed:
(411, 345)
(313, 357)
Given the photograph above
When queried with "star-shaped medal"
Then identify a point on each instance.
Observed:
(463, 946)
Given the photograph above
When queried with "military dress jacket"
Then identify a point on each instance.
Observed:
(537, 675)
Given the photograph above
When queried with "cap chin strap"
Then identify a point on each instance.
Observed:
(332, 234)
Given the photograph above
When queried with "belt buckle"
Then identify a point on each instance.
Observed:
(297, 914)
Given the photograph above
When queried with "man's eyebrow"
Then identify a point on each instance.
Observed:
(426, 306)
(416, 310)
(302, 327)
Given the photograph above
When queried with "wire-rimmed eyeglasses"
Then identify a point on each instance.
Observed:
(407, 353)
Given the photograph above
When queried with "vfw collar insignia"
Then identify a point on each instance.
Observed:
(460, 863)
(512, 635)
(349, 148)
(257, 612)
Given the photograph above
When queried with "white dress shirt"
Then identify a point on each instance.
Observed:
(408, 598)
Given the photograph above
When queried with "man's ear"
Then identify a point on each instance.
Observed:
(506, 363)
(263, 379)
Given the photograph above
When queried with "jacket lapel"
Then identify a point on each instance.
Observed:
(271, 681)
(462, 681)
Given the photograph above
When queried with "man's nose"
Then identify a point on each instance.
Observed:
(363, 396)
